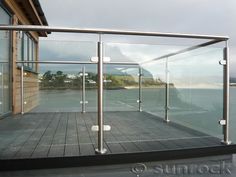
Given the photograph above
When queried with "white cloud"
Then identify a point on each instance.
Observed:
(215, 17)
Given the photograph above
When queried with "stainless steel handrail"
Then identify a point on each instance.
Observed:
(107, 31)
(183, 51)
(78, 62)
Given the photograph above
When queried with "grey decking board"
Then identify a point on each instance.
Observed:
(72, 150)
(188, 143)
(77, 130)
(131, 147)
(59, 117)
(115, 148)
(144, 146)
(87, 149)
(50, 151)
(72, 144)
(179, 127)
(112, 136)
(210, 141)
(17, 144)
(28, 148)
(87, 133)
(69, 134)
(92, 121)
(56, 151)
(123, 138)
(57, 147)
(41, 151)
(43, 146)
(85, 145)
(156, 145)
(213, 139)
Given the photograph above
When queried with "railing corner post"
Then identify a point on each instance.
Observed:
(83, 90)
(167, 89)
(226, 95)
(100, 149)
(140, 89)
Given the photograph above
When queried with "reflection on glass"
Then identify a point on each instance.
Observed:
(67, 50)
(197, 90)
(121, 52)
(153, 87)
(120, 88)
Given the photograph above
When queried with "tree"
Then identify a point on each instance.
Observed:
(59, 79)
(77, 82)
(47, 79)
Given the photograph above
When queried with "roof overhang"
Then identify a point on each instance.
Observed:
(34, 13)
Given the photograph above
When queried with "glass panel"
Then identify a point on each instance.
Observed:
(90, 87)
(30, 53)
(34, 56)
(6, 87)
(53, 49)
(59, 88)
(153, 88)
(19, 46)
(120, 88)
(137, 53)
(232, 121)
(1, 90)
(4, 64)
(196, 90)
(60, 85)
(25, 54)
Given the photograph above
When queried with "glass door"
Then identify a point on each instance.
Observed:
(4, 64)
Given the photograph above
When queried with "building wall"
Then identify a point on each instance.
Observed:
(31, 90)
(31, 86)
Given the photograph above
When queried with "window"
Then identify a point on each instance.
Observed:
(26, 50)
(19, 47)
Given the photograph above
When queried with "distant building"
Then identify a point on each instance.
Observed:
(232, 84)
(21, 46)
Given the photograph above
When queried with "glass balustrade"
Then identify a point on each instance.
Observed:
(156, 95)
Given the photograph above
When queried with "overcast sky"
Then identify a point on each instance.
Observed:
(216, 17)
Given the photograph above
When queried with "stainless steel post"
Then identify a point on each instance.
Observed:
(100, 149)
(2, 92)
(83, 90)
(167, 92)
(140, 89)
(226, 95)
(22, 89)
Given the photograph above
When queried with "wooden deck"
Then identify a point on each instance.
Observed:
(42, 135)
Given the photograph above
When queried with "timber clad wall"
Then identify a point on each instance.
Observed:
(24, 12)
(31, 90)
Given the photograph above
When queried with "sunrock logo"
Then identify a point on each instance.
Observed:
(221, 168)
(138, 169)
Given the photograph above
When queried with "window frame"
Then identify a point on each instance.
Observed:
(28, 51)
